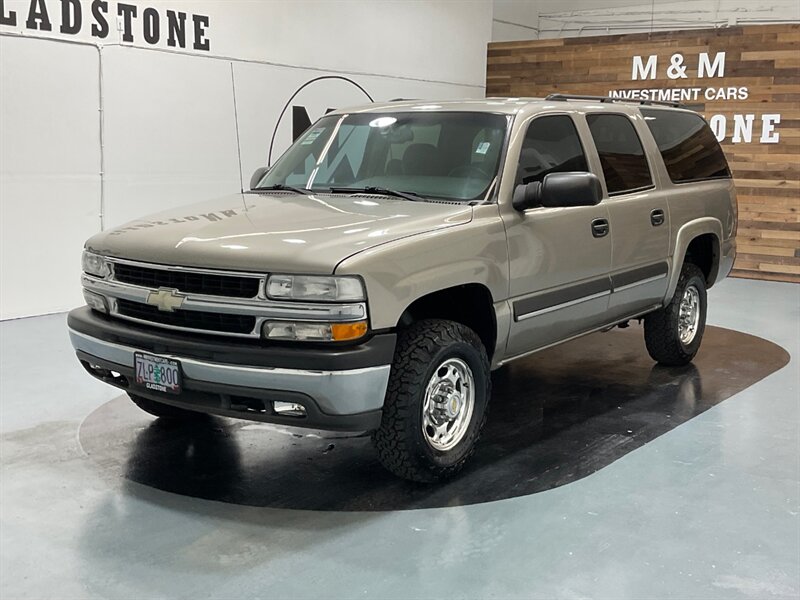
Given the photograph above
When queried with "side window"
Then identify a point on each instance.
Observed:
(687, 145)
(621, 154)
(551, 145)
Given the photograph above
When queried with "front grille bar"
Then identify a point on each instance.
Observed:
(188, 319)
(209, 284)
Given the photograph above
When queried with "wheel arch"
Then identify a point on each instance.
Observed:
(701, 239)
(470, 304)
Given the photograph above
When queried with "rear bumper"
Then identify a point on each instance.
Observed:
(243, 379)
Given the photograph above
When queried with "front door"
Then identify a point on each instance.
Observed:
(559, 257)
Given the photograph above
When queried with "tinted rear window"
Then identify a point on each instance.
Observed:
(621, 154)
(687, 144)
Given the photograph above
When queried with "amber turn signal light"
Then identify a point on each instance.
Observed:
(341, 332)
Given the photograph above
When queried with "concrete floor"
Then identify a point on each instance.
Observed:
(709, 509)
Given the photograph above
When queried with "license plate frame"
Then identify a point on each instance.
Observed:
(157, 373)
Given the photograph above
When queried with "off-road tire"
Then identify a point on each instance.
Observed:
(157, 409)
(399, 441)
(661, 327)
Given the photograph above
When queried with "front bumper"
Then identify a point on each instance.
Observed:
(340, 388)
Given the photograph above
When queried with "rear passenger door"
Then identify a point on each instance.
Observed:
(638, 211)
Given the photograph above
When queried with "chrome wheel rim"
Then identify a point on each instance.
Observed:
(689, 315)
(448, 404)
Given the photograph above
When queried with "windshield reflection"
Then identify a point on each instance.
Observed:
(439, 155)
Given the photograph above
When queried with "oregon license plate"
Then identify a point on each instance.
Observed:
(157, 373)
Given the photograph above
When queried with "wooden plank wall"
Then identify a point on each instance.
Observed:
(765, 59)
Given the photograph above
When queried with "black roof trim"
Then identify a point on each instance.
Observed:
(610, 99)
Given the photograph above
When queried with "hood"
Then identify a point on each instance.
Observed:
(275, 231)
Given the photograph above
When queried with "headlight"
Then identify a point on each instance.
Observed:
(314, 332)
(315, 288)
(94, 264)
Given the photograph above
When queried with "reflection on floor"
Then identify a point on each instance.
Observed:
(555, 417)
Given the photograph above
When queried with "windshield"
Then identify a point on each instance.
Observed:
(450, 155)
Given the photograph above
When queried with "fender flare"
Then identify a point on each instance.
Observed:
(686, 234)
(500, 319)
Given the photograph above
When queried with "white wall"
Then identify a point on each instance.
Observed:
(515, 20)
(169, 134)
(49, 171)
(526, 19)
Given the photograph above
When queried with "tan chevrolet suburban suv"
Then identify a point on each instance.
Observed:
(397, 253)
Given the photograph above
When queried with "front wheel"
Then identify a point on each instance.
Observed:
(436, 401)
(673, 333)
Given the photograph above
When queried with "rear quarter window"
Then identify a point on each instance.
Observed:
(687, 145)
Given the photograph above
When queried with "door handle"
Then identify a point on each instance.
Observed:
(657, 217)
(600, 228)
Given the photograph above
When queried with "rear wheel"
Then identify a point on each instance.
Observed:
(673, 333)
(436, 401)
(157, 409)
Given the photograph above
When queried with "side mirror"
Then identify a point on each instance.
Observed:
(559, 190)
(527, 195)
(257, 176)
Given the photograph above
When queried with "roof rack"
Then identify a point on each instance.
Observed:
(610, 99)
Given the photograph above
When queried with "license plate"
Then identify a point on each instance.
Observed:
(157, 373)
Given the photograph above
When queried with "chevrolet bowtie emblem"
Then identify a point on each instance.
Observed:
(166, 299)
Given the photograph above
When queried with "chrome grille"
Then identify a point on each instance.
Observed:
(188, 319)
(192, 282)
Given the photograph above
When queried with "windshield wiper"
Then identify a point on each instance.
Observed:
(279, 187)
(377, 190)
